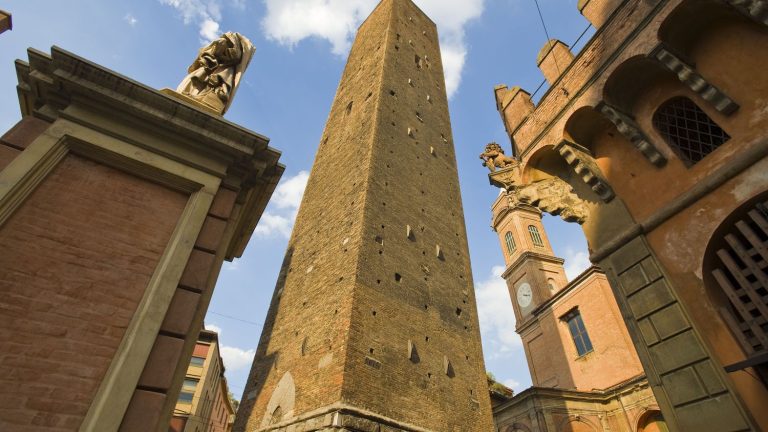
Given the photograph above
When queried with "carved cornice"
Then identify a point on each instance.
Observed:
(553, 196)
(627, 127)
(687, 75)
(506, 178)
(755, 9)
(584, 165)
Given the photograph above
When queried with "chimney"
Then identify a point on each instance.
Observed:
(514, 106)
(553, 59)
(598, 11)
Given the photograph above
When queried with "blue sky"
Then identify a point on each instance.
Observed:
(286, 95)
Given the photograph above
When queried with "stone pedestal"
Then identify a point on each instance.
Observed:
(118, 206)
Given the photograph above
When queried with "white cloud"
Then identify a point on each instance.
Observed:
(209, 29)
(290, 21)
(290, 191)
(511, 383)
(271, 224)
(497, 318)
(279, 217)
(576, 262)
(232, 266)
(213, 328)
(131, 20)
(206, 14)
(236, 358)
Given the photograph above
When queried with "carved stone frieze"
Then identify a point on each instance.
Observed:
(584, 165)
(755, 9)
(553, 196)
(688, 76)
(627, 127)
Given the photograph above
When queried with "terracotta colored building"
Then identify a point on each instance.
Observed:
(118, 206)
(653, 139)
(373, 324)
(585, 371)
(6, 21)
(204, 404)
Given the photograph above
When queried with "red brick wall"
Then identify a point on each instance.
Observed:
(74, 262)
(177, 424)
(19, 137)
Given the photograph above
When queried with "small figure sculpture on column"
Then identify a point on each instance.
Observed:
(494, 157)
(216, 72)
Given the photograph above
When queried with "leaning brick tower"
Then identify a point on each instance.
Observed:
(373, 325)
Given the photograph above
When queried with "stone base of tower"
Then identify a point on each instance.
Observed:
(342, 418)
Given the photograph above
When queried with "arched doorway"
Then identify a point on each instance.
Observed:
(735, 271)
(652, 421)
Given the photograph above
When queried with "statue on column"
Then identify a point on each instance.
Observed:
(216, 72)
(493, 157)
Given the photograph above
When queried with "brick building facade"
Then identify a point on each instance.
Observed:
(652, 137)
(584, 368)
(118, 206)
(373, 324)
(204, 404)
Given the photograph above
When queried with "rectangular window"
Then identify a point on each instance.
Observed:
(197, 361)
(578, 332)
(186, 397)
(190, 384)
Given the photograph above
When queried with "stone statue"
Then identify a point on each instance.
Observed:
(494, 157)
(216, 72)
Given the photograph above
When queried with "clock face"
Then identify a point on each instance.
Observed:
(524, 295)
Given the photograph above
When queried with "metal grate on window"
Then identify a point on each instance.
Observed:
(690, 132)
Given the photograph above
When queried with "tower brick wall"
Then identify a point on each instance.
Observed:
(373, 321)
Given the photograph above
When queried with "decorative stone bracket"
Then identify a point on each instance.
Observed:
(584, 165)
(688, 76)
(755, 9)
(553, 195)
(627, 127)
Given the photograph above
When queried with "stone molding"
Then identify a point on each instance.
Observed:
(345, 418)
(755, 9)
(687, 75)
(64, 85)
(583, 164)
(631, 130)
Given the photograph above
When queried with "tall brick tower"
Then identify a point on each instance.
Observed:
(373, 324)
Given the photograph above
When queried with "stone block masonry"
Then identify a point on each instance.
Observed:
(373, 324)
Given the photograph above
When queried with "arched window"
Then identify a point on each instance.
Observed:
(535, 236)
(688, 130)
(510, 241)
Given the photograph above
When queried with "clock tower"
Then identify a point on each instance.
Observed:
(534, 274)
